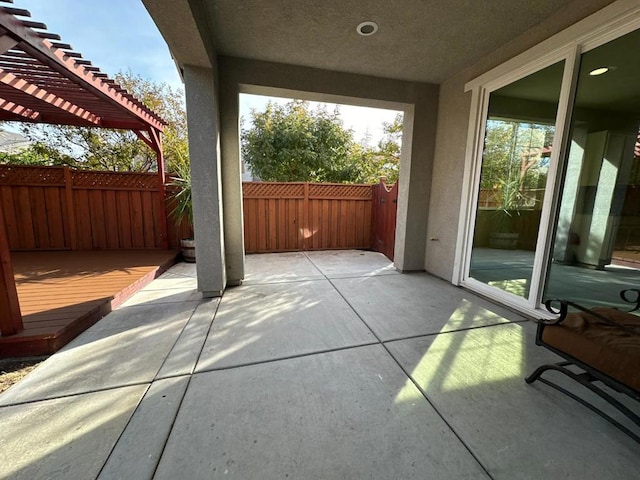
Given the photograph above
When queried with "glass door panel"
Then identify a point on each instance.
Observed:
(518, 142)
(596, 247)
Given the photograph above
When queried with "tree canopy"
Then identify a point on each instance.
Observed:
(291, 142)
(108, 149)
(514, 161)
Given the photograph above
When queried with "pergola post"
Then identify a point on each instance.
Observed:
(155, 143)
(10, 316)
(157, 140)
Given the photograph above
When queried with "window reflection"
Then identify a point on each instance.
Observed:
(515, 163)
(596, 249)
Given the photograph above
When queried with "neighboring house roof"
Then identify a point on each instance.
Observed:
(11, 141)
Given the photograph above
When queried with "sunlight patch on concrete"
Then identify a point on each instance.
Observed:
(462, 360)
(517, 286)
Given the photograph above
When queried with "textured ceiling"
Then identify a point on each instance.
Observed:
(616, 91)
(419, 40)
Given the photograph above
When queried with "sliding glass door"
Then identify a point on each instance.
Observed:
(596, 246)
(518, 142)
(553, 218)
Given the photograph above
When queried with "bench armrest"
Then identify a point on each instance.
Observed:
(561, 308)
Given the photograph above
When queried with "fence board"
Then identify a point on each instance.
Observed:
(124, 218)
(292, 226)
(111, 219)
(83, 219)
(55, 217)
(282, 217)
(272, 213)
(383, 218)
(137, 228)
(98, 232)
(62, 208)
(39, 214)
(22, 199)
(147, 219)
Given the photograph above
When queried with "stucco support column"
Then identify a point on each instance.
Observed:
(414, 187)
(231, 181)
(206, 181)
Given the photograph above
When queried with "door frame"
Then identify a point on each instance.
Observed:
(608, 24)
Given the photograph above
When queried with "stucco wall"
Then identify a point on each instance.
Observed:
(204, 149)
(418, 100)
(451, 136)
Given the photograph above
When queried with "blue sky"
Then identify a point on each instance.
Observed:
(119, 35)
(116, 35)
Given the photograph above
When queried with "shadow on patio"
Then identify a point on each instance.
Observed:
(324, 365)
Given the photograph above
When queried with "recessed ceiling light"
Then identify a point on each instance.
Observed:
(598, 71)
(367, 28)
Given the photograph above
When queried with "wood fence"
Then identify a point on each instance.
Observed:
(384, 214)
(281, 217)
(59, 208)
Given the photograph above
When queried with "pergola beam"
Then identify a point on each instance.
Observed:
(21, 111)
(35, 45)
(42, 95)
(7, 42)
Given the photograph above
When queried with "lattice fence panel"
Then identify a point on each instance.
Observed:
(114, 180)
(338, 191)
(272, 190)
(22, 175)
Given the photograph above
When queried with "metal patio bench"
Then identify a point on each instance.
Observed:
(603, 345)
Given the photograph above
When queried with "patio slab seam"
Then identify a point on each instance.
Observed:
(173, 423)
(440, 414)
(456, 330)
(164, 361)
(123, 429)
(422, 392)
(75, 394)
(195, 364)
(289, 357)
(133, 416)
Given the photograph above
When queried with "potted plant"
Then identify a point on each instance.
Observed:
(504, 236)
(182, 211)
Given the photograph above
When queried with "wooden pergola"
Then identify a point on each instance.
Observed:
(43, 80)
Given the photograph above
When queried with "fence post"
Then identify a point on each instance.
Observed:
(71, 210)
(305, 217)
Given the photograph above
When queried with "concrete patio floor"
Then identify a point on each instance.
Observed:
(322, 365)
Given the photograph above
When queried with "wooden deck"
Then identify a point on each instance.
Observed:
(626, 258)
(63, 293)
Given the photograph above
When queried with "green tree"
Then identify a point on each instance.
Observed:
(514, 160)
(293, 143)
(115, 150)
(384, 160)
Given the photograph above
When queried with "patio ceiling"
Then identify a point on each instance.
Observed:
(417, 40)
(43, 80)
